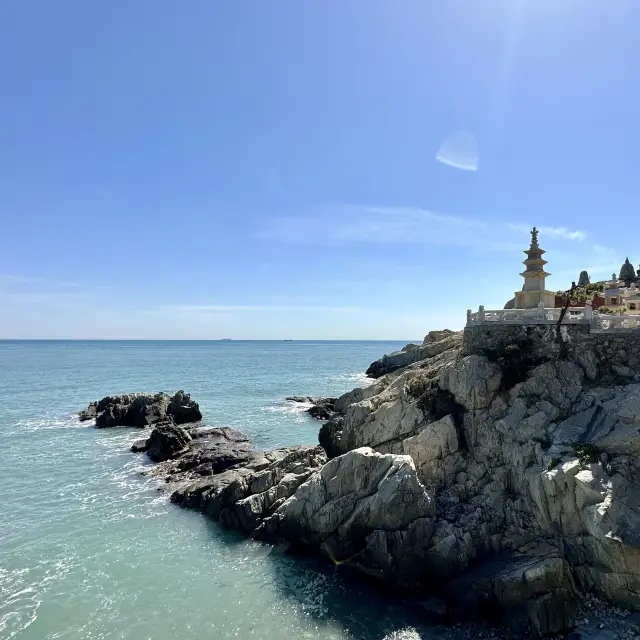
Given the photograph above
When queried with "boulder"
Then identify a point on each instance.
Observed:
(167, 441)
(183, 409)
(361, 505)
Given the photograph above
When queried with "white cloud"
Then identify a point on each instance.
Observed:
(561, 233)
(403, 225)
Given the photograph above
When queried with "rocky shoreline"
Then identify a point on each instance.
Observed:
(499, 483)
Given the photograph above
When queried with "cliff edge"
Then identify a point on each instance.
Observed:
(496, 469)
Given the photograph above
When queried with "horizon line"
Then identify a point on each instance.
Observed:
(208, 340)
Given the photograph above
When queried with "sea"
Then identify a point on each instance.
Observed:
(91, 550)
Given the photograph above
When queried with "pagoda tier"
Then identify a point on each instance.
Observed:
(534, 292)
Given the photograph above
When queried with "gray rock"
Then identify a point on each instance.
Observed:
(359, 505)
(436, 342)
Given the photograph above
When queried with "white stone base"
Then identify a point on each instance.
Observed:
(532, 299)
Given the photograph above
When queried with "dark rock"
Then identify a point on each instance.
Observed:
(329, 437)
(167, 441)
(304, 399)
(140, 445)
(142, 410)
(323, 409)
(89, 413)
(183, 409)
(215, 450)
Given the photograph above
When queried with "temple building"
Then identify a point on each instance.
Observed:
(533, 293)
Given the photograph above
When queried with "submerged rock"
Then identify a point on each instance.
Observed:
(322, 409)
(142, 410)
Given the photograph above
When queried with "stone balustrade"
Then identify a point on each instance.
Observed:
(540, 315)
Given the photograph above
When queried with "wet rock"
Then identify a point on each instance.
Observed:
(89, 413)
(323, 409)
(140, 446)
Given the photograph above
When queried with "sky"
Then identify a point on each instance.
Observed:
(298, 169)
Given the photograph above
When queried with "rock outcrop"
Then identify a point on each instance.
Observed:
(532, 466)
(320, 409)
(434, 343)
(502, 478)
(142, 410)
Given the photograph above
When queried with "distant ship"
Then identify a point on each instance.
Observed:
(288, 340)
(226, 339)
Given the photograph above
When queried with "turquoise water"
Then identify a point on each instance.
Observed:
(89, 549)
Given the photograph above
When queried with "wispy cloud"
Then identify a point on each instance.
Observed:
(228, 308)
(408, 225)
(13, 279)
(599, 261)
(561, 233)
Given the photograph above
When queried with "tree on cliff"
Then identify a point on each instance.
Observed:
(583, 280)
(627, 273)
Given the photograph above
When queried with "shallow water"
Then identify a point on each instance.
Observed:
(90, 550)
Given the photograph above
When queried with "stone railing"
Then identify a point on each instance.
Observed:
(541, 315)
(609, 322)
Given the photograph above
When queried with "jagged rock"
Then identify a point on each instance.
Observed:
(502, 479)
(89, 413)
(167, 441)
(330, 437)
(142, 410)
(183, 409)
(436, 342)
(529, 590)
(362, 504)
(244, 495)
(322, 409)
(472, 381)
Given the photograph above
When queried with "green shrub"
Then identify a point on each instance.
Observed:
(586, 452)
(553, 462)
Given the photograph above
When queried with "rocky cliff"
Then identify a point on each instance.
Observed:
(499, 473)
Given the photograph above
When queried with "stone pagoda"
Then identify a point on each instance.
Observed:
(533, 293)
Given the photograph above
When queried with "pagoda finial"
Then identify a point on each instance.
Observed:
(534, 238)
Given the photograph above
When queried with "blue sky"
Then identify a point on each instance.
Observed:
(307, 169)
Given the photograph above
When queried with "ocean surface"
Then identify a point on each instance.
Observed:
(90, 550)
